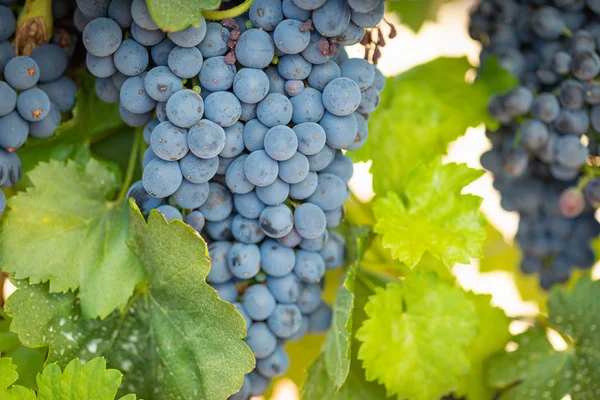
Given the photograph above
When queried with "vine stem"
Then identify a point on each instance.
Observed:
(34, 26)
(231, 13)
(133, 156)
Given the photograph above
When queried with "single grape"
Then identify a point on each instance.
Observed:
(261, 340)
(106, 90)
(255, 49)
(234, 142)
(290, 37)
(190, 36)
(22, 73)
(341, 96)
(185, 62)
(321, 75)
(320, 320)
(369, 19)
(13, 130)
(321, 160)
(276, 221)
(223, 108)
(101, 67)
(141, 15)
(307, 106)
(215, 41)
(206, 139)
(52, 61)
(102, 37)
(94, 8)
(131, 58)
(216, 75)
(248, 205)
(162, 178)
(572, 202)
(33, 104)
(146, 37)
(332, 18)
(294, 66)
(244, 260)
(258, 302)
(340, 131)
(277, 260)
(274, 365)
(8, 23)
(285, 320)
(274, 110)
(46, 127)
(305, 188)
(219, 204)
(198, 170)
(169, 212)
(261, 169)
(9, 99)
(281, 143)
(143, 200)
(236, 178)
(274, 194)
(120, 12)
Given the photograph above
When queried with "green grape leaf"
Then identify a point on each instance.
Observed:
(176, 15)
(537, 370)
(92, 119)
(74, 236)
(318, 384)
(28, 361)
(415, 13)
(432, 216)
(416, 336)
(91, 381)
(176, 338)
(421, 112)
(336, 353)
(8, 373)
(491, 339)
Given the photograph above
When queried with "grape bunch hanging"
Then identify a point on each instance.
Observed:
(544, 157)
(246, 120)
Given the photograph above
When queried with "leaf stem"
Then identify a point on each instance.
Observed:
(231, 13)
(133, 156)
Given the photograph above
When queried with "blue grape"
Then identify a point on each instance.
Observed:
(224, 163)
(169, 142)
(144, 201)
(169, 212)
(294, 88)
(248, 111)
(244, 392)
(340, 131)
(341, 166)
(118, 79)
(185, 108)
(334, 252)
(341, 96)
(302, 331)
(133, 119)
(291, 240)
(290, 37)
(547, 23)
(277, 260)
(261, 340)
(369, 101)
(101, 67)
(314, 53)
(369, 19)
(315, 244)
(303, 190)
(216, 75)
(311, 138)
(10, 168)
(52, 61)
(351, 35)
(295, 169)
(364, 6)
(255, 49)
(322, 74)
(198, 170)
(260, 168)
(145, 36)
(362, 133)
(22, 73)
(94, 8)
(147, 134)
(274, 365)
(260, 383)
(274, 194)
(331, 193)
(285, 320)
(545, 107)
(236, 178)
(586, 65)
(320, 319)
(248, 205)
(106, 90)
(80, 20)
(276, 82)
(223, 108)
(234, 140)
(134, 97)
(250, 85)
(534, 134)
(309, 4)
(332, 19)
(379, 81)
(285, 289)
(161, 84)
(294, 66)
(220, 230)
(141, 15)
(244, 260)
(274, 110)
(281, 143)
(45, 128)
(266, 14)
(215, 41)
(321, 160)
(120, 12)
(254, 135)
(292, 11)
(310, 221)
(190, 36)
(160, 52)
(240, 309)
(570, 152)
(196, 220)
(162, 178)
(258, 302)
(13, 130)
(226, 291)
(185, 62)
(7, 53)
(219, 203)
(575, 122)
(33, 104)
(206, 139)
(102, 37)
(309, 297)
(8, 23)
(334, 217)
(191, 195)
(246, 230)
(359, 71)
(9, 98)
(307, 106)
(276, 221)
(131, 58)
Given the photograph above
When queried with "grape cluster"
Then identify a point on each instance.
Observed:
(246, 120)
(34, 93)
(544, 156)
